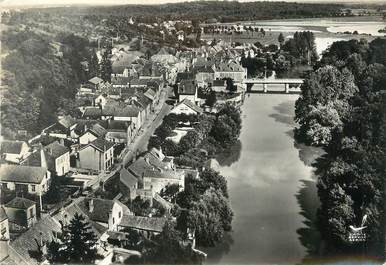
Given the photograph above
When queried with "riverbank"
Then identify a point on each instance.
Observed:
(272, 190)
(326, 30)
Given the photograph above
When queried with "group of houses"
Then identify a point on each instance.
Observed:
(112, 115)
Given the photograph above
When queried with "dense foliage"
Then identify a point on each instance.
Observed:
(343, 109)
(227, 11)
(77, 243)
(293, 56)
(211, 134)
(39, 78)
(204, 207)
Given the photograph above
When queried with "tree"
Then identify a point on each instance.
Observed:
(80, 241)
(169, 249)
(211, 99)
(169, 193)
(106, 67)
(210, 217)
(281, 39)
(93, 65)
(213, 179)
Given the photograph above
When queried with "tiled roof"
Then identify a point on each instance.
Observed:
(101, 210)
(191, 105)
(150, 94)
(163, 174)
(127, 178)
(229, 67)
(114, 125)
(25, 174)
(184, 76)
(43, 230)
(187, 87)
(203, 69)
(55, 150)
(92, 112)
(20, 203)
(101, 144)
(154, 224)
(3, 215)
(98, 130)
(67, 121)
(219, 83)
(95, 80)
(11, 147)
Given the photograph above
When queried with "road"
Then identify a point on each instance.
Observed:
(140, 143)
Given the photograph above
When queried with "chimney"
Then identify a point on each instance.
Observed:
(43, 161)
(91, 205)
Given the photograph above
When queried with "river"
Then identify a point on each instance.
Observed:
(272, 190)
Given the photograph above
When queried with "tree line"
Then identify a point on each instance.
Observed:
(342, 108)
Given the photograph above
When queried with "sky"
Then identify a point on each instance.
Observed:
(25, 3)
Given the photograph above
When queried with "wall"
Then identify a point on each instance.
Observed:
(91, 158)
(86, 138)
(62, 164)
(182, 108)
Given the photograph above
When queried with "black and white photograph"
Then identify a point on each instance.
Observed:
(176, 132)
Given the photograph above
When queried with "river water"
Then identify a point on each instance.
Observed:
(271, 187)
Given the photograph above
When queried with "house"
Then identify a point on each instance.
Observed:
(154, 171)
(97, 155)
(219, 85)
(119, 131)
(164, 57)
(63, 128)
(55, 157)
(26, 246)
(187, 107)
(187, 89)
(25, 179)
(95, 82)
(147, 226)
(14, 151)
(128, 184)
(184, 76)
(204, 75)
(21, 213)
(231, 70)
(92, 133)
(107, 213)
(101, 100)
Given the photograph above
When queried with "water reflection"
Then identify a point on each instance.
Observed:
(309, 235)
(230, 156)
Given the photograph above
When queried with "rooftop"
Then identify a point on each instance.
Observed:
(101, 208)
(101, 144)
(20, 203)
(24, 174)
(187, 87)
(155, 224)
(95, 80)
(191, 105)
(55, 149)
(11, 147)
(127, 178)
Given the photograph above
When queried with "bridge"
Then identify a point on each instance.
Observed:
(291, 85)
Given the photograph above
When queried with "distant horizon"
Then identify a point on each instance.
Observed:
(59, 3)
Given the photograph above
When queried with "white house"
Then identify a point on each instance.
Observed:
(108, 213)
(25, 179)
(55, 157)
(97, 155)
(187, 89)
(14, 151)
(186, 107)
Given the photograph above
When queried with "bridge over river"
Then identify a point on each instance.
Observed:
(290, 85)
